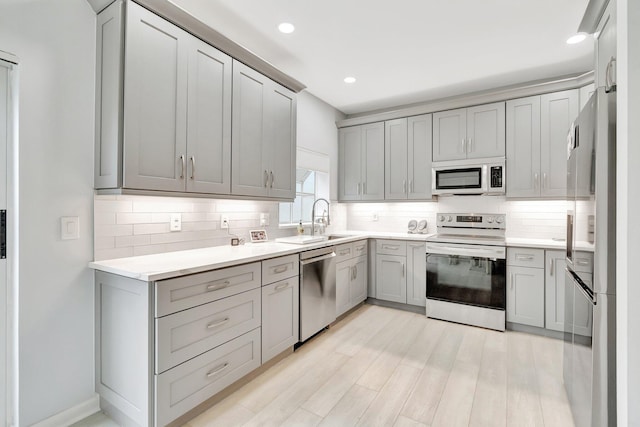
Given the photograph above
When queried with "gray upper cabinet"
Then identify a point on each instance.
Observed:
(164, 114)
(469, 133)
(361, 163)
(408, 145)
(263, 137)
(537, 130)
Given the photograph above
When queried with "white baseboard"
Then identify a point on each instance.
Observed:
(73, 414)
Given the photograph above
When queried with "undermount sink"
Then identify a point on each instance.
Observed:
(334, 237)
(302, 239)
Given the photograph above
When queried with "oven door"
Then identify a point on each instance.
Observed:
(467, 274)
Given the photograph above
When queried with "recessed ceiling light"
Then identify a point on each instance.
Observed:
(286, 28)
(349, 79)
(577, 38)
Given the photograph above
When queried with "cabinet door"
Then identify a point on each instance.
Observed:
(419, 150)
(583, 311)
(392, 278)
(280, 322)
(155, 102)
(523, 147)
(358, 284)
(558, 110)
(525, 296)
(344, 273)
(350, 171)
(416, 274)
(485, 131)
(208, 120)
(281, 141)
(605, 47)
(395, 159)
(373, 161)
(249, 174)
(554, 290)
(450, 135)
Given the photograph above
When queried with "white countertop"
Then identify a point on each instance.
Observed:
(172, 264)
(546, 244)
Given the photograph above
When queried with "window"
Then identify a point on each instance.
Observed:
(309, 186)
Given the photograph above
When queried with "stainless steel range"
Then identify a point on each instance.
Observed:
(466, 270)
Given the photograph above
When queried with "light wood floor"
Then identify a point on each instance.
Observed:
(385, 367)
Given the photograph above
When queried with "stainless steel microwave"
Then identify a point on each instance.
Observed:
(475, 176)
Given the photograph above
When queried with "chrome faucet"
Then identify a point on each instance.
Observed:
(313, 215)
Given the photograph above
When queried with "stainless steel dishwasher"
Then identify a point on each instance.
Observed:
(317, 291)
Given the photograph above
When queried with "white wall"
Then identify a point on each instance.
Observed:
(55, 42)
(628, 206)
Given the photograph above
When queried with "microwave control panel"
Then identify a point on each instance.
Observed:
(496, 176)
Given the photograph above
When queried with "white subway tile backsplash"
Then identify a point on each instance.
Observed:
(135, 240)
(132, 218)
(151, 228)
(104, 230)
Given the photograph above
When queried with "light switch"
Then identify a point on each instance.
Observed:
(264, 219)
(69, 227)
(175, 222)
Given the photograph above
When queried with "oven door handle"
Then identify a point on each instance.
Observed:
(498, 252)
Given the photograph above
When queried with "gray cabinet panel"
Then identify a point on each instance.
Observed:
(391, 279)
(485, 131)
(525, 296)
(523, 147)
(416, 274)
(554, 290)
(358, 286)
(350, 167)
(395, 160)
(558, 110)
(209, 120)
(449, 135)
(249, 174)
(344, 273)
(583, 311)
(373, 161)
(280, 317)
(155, 102)
(282, 142)
(419, 150)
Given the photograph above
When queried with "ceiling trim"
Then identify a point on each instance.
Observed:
(593, 13)
(477, 98)
(178, 16)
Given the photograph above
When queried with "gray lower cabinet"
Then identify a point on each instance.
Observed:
(361, 163)
(525, 286)
(537, 128)
(554, 280)
(351, 276)
(391, 281)
(170, 130)
(416, 273)
(407, 156)
(280, 317)
(263, 137)
(400, 273)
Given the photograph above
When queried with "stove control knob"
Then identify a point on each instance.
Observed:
(441, 218)
(489, 219)
(499, 219)
(449, 218)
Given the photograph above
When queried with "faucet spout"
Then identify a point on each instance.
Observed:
(313, 214)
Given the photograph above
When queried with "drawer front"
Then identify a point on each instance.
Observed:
(181, 293)
(186, 386)
(525, 257)
(276, 269)
(391, 247)
(344, 252)
(360, 248)
(184, 335)
(583, 262)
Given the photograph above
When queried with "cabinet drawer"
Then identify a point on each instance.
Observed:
(584, 262)
(276, 269)
(178, 294)
(184, 335)
(344, 252)
(525, 257)
(391, 247)
(360, 248)
(184, 387)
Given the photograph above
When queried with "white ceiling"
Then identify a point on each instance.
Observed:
(404, 51)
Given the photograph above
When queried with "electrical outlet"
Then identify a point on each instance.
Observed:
(175, 222)
(224, 221)
(264, 219)
(375, 216)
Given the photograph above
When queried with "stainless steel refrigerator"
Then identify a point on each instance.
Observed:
(589, 357)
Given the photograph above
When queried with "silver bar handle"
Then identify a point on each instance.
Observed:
(544, 180)
(217, 369)
(280, 269)
(193, 167)
(392, 247)
(183, 165)
(345, 251)
(320, 258)
(536, 181)
(364, 188)
(511, 284)
(281, 286)
(352, 273)
(266, 179)
(217, 323)
(358, 185)
(403, 269)
(355, 272)
(521, 257)
(411, 186)
(404, 185)
(470, 145)
(271, 175)
(463, 148)
(550, 267)
(218, 286)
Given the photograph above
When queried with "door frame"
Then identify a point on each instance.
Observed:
(12, 174)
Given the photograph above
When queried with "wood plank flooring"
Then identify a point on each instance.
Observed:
(385, 367)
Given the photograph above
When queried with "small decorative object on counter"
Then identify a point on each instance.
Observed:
(235, 241)
(411, 227)
(300, 228)
(422, 226)
(258, 236)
